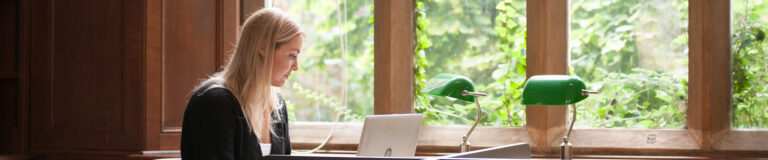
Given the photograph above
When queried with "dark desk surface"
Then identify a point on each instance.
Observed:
(313, 157)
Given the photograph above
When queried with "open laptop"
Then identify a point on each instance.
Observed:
(394, 135)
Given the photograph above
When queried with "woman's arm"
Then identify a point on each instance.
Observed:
(208, 127)
(285, 128)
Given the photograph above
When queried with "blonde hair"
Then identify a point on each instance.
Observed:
(248, 75)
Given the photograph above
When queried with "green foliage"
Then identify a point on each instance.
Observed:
(316, 90)
(634, 52)
(483, 40)
(749, 64)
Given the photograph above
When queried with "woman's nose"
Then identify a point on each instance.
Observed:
(295, 65)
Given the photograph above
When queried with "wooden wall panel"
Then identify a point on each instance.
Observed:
(188, 40)
(189, 53)
(8, 30)
(10, 110)
(85, 74)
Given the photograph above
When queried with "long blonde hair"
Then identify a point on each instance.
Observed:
(248, 74)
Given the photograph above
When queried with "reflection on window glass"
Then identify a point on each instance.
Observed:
(483, 40)
(326, 79)
(635, 53)
(749, 64)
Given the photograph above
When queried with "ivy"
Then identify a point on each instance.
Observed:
(749, 64)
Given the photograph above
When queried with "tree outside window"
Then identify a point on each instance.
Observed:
(635, 53)
(483, 40)
(327, 80)
(749, 64)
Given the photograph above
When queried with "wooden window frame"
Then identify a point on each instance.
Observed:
(708, 131)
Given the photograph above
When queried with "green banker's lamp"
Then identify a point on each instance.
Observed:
(458, 87)
(547, 90)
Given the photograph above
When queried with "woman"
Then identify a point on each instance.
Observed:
(236, 109)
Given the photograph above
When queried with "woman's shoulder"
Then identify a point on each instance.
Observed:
(211, 88)
(213, 95)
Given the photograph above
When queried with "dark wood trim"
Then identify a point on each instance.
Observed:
(16, 138)
(24, 76)
(153, 75)
(393, 52)
(9, 76)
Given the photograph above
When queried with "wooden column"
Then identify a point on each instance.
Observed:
(394, 39)
(709, 77)
(547, 54)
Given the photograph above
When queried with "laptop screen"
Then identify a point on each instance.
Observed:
(394, 135)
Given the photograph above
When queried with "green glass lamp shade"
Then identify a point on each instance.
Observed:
(553, 90)
(448, 85)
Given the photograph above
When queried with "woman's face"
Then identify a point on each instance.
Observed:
(286, 60)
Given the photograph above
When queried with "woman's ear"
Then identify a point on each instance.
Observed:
(262, 49)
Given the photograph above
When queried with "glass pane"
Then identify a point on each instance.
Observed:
(749, 64)
(483, 40)
(328, 79)
(635, 53)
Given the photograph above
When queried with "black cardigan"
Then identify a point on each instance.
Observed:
(214, 128)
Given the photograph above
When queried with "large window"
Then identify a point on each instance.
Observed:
(483, 40)
(327, 80)
(749, 65)
(635, 53)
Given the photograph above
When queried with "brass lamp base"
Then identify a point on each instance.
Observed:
(566, 149)
(465, 146)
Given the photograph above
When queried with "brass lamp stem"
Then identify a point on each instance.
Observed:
(566, 149)
(465, 146)
(573, 120)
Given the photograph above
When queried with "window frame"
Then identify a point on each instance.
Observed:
(708, 129)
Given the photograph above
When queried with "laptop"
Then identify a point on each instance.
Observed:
(394, 135)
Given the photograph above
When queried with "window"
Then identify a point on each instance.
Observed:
(749, 64)
(543, 47)
(635, 53)
(328, 79)
(482, 40)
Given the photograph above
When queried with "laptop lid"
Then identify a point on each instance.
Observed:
(394, 135)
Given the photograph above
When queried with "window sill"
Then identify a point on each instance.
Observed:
(444, 140)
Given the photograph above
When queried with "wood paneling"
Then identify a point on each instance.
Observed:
(86, 74)
(189, 32)
(12, 121)
(8, 30)
(393, 79)
(547, 54)
(188, 40)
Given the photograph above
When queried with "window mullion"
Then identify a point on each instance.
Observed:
(709, 86)
(393, 56)
(547, 53)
